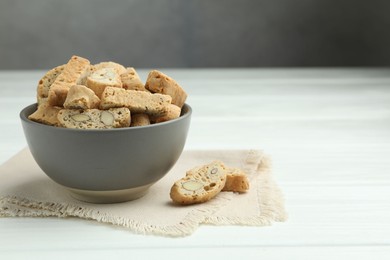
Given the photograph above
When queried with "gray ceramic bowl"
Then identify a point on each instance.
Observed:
(105, 166)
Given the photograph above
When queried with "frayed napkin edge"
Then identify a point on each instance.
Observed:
(21, 207)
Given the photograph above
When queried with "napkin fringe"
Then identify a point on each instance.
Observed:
(270, 196)
(184, 228)
(21, 207)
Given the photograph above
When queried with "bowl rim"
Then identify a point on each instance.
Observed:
(25, 119)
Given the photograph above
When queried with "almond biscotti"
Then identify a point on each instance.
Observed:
(102, 78)
(46, 81)
(120, 69)
(80, 86)
(81, 97)
(236, 181)
(136, 101)
(131, 80)
(200, 184)
(94, 118)
(173, 112)
(73, 73)
(46, 114)
(158, 82)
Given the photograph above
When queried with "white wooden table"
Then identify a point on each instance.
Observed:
(328, 131)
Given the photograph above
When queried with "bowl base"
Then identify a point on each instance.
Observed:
(110, 196)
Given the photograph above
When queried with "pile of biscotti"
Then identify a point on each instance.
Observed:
(105, 95)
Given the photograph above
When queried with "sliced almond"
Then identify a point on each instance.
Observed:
(192, 185)
(214, 171)
(107, 118)
(80, 117)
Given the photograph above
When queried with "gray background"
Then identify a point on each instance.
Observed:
(41, 34)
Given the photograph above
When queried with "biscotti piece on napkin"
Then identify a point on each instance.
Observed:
(236, 181)
(200, 184)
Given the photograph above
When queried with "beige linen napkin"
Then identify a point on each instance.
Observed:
(25, 191)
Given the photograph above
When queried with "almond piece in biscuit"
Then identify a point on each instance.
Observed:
(158, 82)
(100, 79)
(200, 184)
(109, 64)
(72, 74)
(81, 97)
(131, 80)
(137, 101)
(94, 118)
(236, 181)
